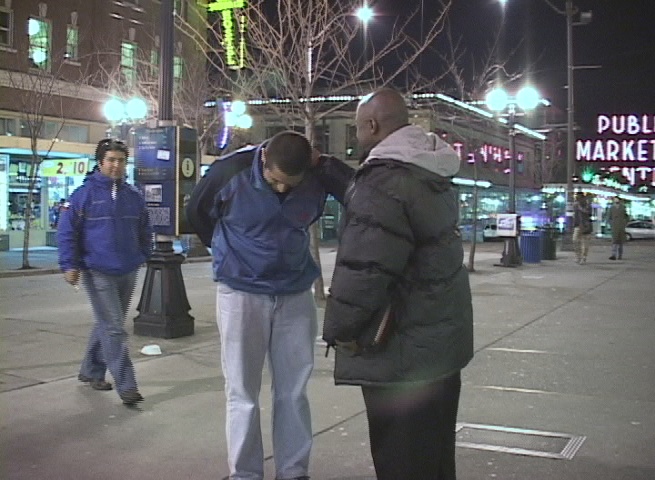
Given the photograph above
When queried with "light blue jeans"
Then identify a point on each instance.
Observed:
(110, 297)
(617, 250)
(284, 328)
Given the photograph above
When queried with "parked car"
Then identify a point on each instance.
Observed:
(640, 229)
(490, 233)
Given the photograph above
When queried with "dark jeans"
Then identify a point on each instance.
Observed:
(412, 429)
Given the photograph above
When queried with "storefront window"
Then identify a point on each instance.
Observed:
(18, 196)
(8, 126)
(75, 133)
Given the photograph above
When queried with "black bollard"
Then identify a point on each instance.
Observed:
(164, 307)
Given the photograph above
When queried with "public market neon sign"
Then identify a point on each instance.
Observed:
(235, 55)
(630, 148)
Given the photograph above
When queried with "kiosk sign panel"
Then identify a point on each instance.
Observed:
(507, 224)
(187, 174)
(163, 156)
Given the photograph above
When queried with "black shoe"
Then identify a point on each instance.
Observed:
(612, 257)
(131, 397)
(95, 383)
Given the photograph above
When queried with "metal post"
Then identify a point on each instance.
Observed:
(512, 251)
(567, 239)
(164, 307)
(512, 159)
(166, 61)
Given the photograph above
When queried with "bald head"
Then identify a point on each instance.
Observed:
(379, 114)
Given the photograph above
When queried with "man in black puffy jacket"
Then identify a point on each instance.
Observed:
(399, 311)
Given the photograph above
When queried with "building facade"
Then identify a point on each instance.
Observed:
(480, 139)
(60, 62)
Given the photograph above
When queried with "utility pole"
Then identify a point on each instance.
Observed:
(567, 241)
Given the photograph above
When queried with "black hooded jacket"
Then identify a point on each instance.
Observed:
(401, 254)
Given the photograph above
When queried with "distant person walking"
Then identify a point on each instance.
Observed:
(618, 220)
(582, 227)
(104, 236)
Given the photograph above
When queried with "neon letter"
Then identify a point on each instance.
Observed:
(603, 123)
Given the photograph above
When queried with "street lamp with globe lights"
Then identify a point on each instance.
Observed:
(235, 116)
(498, 100)
(365, 14)
(125, 114)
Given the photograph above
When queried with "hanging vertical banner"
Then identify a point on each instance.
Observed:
(235, 55)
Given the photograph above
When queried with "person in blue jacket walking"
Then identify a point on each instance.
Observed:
(104, 236)
(254, 208)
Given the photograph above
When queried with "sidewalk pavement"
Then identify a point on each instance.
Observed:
(563, 368)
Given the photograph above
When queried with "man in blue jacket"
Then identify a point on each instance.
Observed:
(254, 207)
(104, 236)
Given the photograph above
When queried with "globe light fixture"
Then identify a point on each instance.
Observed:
(33, 27)
(365, 14)
(528, 98)
(497, 100)
(238, 107)
(136, 109)
(125, 114)
(114, 110)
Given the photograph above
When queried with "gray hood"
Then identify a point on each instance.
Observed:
(412, 144)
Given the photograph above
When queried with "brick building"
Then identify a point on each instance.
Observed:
(60, 62)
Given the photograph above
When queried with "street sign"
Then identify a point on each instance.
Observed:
(65, 168)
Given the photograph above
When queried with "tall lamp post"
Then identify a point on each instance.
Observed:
(164, 306)
(498, 100)
(585, 17)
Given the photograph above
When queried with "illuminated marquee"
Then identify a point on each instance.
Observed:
(630, 148)
(487, 153)
(235, 57)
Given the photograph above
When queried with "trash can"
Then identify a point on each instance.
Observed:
(549, 243)
(530, 243)
(51, 239)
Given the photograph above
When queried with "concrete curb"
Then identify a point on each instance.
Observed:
(47, 271)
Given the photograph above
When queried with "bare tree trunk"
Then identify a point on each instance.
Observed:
(32, 177)
(314, 231)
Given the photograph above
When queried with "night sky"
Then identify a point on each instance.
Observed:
(620, 39)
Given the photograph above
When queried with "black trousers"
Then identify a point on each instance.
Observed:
(412, 429)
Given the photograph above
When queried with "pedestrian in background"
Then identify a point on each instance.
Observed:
(254, 208)
(104, 236)
(399, 311)
(582, 227)
(618, 220)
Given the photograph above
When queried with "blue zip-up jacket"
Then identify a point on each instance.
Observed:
(97, 232)
(259, 243)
